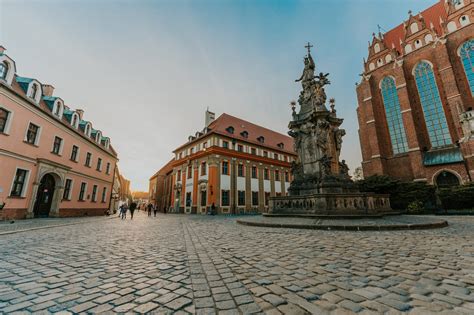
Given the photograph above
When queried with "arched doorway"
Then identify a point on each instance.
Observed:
(44, 197)
(446, 179)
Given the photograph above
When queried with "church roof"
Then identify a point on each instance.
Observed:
(432, 15)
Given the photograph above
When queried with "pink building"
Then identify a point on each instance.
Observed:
(52, 161)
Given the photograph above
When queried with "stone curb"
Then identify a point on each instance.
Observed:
(49, 226)
(394, 227)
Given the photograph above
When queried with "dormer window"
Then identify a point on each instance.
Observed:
(107, 143)
(98, 136)
(261, 139)
(3, 70)
(58, 109)
(34, 91)
(75, 120)
(244, 134)
(87, 130)
(281, 145)
(230, 129)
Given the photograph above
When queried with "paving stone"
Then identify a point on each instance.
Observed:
(178, 303)
(273, 299)
(82, 307)
(146, 308)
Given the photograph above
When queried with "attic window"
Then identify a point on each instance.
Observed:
(230, 129)
(3, 70)
(281, 145)
(244, 134)
(34, 91)
(261, 139)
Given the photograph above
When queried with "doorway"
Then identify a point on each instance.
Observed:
(44, 197)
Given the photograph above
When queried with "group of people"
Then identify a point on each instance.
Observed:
(133, 206)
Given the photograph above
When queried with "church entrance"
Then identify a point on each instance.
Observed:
(44, 197)
(446, 179)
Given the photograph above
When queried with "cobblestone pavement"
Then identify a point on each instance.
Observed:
(206, 265)
(9, 226)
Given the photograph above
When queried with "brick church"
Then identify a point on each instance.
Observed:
(416, 97)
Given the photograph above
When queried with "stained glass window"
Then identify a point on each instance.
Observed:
(394, 116)
(435, 118)
(467, 58)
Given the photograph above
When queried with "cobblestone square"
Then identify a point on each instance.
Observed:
(207, 265)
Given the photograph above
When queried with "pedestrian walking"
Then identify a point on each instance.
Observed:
(123, 211)
(155, 210)
(133, 206)
(149, 209)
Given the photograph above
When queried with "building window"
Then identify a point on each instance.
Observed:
(203, 168)
(57, 145)
(225, 168)
(244, 134)
(4, 114)
(225, 144)
(277, 175)
(19, 183)
(107, 168)
(267, 198)
(32, 134)
(67, 189)
(191, 151)
(179, 176)
(253, 151)
(261, 139)
(467, 57)
(94, 193)
(203, 198)
(104, 194)
(82, 192)
(432, 107)
(225, 198)
(204, 145)
(394, 116)
(287, 177)
(99, 164)
(188, 199)
(281, 145)
(240, 148)
(241, 198)
(88, 159)
(254, 198)
(74, 120)
(266, 174)
(34, 91)
(254, 172)
(75, 150)
(58, 109)
(265, 154)
(3, 70)
(190, 172)
(230, 129)
(275, 156)
(240, 170)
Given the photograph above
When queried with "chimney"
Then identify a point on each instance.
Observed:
(48, 90)
(2, 49)
(80, 112)
(210, 117)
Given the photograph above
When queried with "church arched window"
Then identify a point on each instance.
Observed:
(394, 116)
(433, 111)
(466, 52)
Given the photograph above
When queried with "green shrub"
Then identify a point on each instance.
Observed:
(458, 197)
(415, 207)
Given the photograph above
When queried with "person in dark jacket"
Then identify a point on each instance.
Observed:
(149, 207)
(133, 206)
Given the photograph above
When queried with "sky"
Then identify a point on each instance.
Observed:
(145, 71)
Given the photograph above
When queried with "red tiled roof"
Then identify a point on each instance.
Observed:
(431, 15)
(272, 138)
(165, 169)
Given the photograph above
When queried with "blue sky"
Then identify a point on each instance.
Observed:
(145, 71)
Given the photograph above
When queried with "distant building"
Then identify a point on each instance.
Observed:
(52, 161)
(416, 98)
(232, 164)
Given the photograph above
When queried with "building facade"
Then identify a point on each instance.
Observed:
(160, 187)
(52, 161)
(416, 97)
(232, 164)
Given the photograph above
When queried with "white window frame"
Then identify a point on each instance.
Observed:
(8, 123)
(107, 171)
(38, 135)
(70, 190)
(11, 69)
(39, 91)
(85, 192)
(103, 200)
(78, 152)
(94, 197)
(76, 125)
(60, 153)
(59, 103)
(101, 164)
(24, 189)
